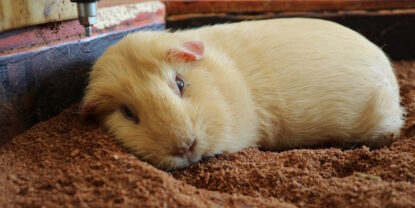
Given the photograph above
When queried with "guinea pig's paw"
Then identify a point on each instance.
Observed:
(188, 51)
(87, 111)
(380, 139)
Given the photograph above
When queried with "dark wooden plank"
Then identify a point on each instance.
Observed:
(393, 31)
(255, 6)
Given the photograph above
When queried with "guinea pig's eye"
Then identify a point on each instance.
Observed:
(180, 83)
(126, 112)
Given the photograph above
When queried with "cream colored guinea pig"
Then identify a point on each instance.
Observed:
(173, 98)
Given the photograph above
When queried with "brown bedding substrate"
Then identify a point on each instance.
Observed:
(63, 162)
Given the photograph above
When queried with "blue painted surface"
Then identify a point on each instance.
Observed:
(37, 85)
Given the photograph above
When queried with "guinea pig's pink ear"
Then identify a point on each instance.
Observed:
(188, 51)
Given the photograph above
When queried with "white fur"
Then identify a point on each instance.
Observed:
(279, 84)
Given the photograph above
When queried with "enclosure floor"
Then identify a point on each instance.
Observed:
(63, 162)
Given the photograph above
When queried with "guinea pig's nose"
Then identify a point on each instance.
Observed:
(185, 147)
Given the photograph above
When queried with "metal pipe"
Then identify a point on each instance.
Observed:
(87, 14)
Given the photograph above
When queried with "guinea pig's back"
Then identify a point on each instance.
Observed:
(311, 79)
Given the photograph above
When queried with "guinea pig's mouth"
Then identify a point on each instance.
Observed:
(181, 161)
(185, 155)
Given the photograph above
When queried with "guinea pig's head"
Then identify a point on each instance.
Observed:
(143, 92)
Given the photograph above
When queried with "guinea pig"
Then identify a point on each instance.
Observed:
(175, 97)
